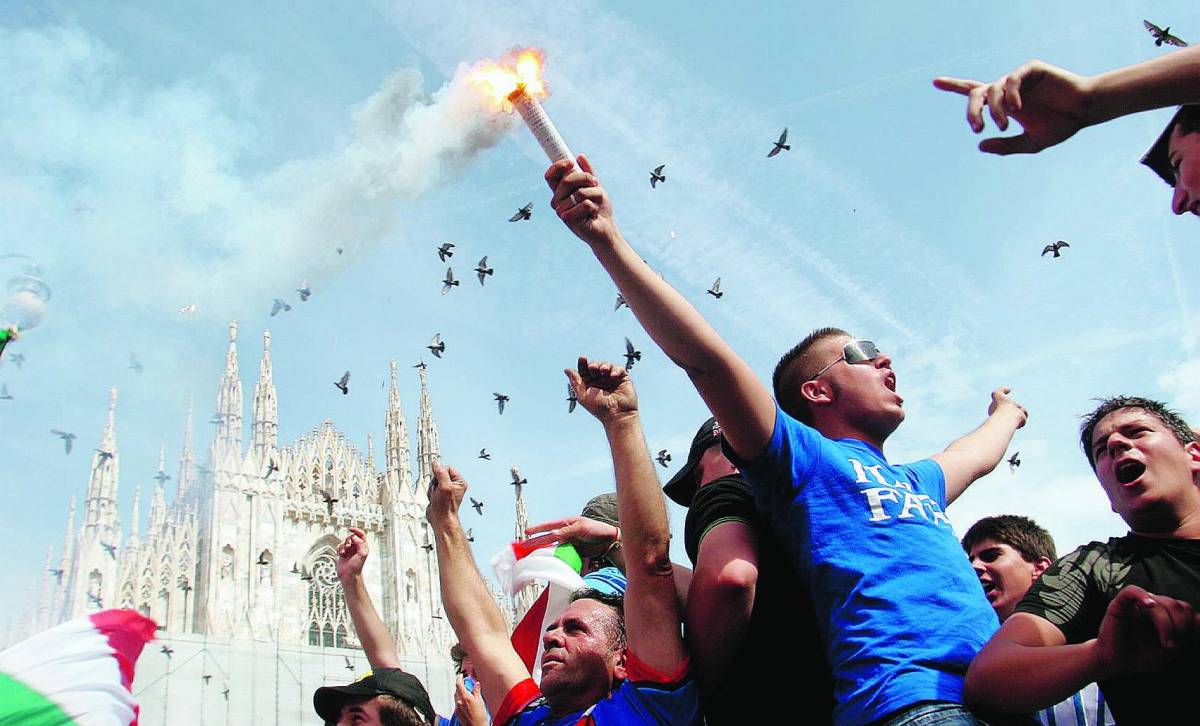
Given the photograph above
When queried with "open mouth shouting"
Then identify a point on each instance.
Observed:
(1128, 471)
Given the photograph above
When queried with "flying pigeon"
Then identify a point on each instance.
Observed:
(161, 477)
(572, 399)
(656, 176)
(449, 282)
(1014, 461)
(110, 549)
(483, 454)
(134, 364)
(18, 359)
(483, 270)
(67, 437)
(349, 665)
(343, 383)
(57, 573)
(1054, 248)
(279, 305)
(437, 346)
(446, 250)
(422, 365)
(631, 355)
(476, 505)
(501, 399)
(428, 547)
(781, 145)
(95, 600)
(187, 310)
(225, 692)
(620, 302)
(295, 568)
(525, 212)
(304, 290)
(329, 500)
(103, 454)
(663, 457)
(340, 250)
(167, 651)
(1163, 35)
(715, 290)
(271, 467)
(206, 678)
(470, 535)
(217, 418)
(516, 477)
(4, 394)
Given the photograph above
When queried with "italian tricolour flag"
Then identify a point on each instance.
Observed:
(76, 673)
(538, 560)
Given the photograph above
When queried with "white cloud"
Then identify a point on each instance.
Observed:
(1182, 383)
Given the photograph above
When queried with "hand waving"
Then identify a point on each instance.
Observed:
(604, 389)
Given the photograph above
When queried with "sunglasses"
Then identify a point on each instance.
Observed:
(856, 351)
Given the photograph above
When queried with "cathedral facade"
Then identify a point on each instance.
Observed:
(241, 563)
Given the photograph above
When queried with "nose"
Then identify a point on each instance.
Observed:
(1180, 200)
(977, 565)
(1117, 444)
(552, 638)
(883, 360)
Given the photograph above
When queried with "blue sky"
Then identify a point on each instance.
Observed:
(219, 149)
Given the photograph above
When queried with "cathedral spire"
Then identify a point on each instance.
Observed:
(428, 450)
(46, 599)
(102, 484)
(266, 408)
(158, 502)
(522, 515)
(397, 464)
(187, 461)
(135, 516)
(229, 400)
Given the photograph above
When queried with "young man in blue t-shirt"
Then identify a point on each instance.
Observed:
(900, 610)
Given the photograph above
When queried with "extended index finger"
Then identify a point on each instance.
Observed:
(961, 86)
(548, 526)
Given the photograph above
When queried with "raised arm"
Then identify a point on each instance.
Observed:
(473, 614)
(377, 643)
(977, 453)
(721, 599)
(1051, 103)
(728, 386)
(652, 610)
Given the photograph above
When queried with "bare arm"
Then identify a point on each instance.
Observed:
(473, 615)
(652, 610)
(733, 393)
(977, 453)
(721, 598)
(377, 643)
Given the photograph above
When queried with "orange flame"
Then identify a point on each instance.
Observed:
(519, 70)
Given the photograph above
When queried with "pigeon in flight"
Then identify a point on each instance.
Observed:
(1054, 248)
(663, 458)
(1014, 461)
(4, 394)
(187, 310)
(95, 599)
(476, 505)
(57, 573)
(329, 500)
(572, 399)
(715, 290)
(206, 678)
(656, 176)
(167, 651)
(343, 383)
(225, 692)
(470, 535)
(446, 250)
(483, 454)
(349, 665)
(161, 477)
(421, 365)
(501, 399)
(449, 282)
(340, 250)
(217, 418)
(525, 212)
(781, 145)
(437, 346)
(1163, 35)
(620, 302)
(428, 547)
(18, 359)
(110, 549)
(304, 290)
(631, 355)
(295, 568)
(516, 477)
(271, 468)
(483, 270)
(278, 306)
(67, 437)
(104, 455)
(134, 364)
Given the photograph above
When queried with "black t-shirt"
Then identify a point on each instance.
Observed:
(781, 667)
(1074, 595)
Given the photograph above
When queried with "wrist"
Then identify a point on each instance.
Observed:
(621, 421)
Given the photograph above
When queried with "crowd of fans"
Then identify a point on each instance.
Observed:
(827, 585)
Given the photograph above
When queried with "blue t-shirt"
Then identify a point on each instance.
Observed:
(900, 610)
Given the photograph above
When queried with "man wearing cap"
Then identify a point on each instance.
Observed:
(387, 696)
(1052, 104)
(751, 631)
(607, 659)
(900, 611)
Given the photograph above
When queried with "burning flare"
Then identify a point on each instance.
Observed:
(516, 83)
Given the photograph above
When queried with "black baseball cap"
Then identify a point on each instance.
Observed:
(328, 700)
(1158, 158)
(683, 485)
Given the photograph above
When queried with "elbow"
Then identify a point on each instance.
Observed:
(736, 581)
(656, 563)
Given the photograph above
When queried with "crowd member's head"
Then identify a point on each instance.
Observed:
(462, 660)
(602, 508)
(584, 656)
(706, 461)
(1175, 157)
(836, 383)
(386, 697)
(1008, 553)
(1147, 460)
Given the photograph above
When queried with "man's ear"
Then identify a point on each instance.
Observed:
(1040, 565)
(1193, 451)
(817, 392)
(619, 672)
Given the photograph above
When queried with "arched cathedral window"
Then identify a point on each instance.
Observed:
(327, 616)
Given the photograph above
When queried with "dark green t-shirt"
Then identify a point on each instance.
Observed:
(1074, 595)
